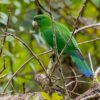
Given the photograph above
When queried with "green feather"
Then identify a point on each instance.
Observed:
(62, 36)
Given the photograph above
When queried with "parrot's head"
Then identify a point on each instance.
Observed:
(42, 21)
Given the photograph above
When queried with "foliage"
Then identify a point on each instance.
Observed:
(96, 3)
(54, 96)
(19, 29)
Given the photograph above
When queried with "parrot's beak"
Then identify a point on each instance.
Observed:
(34, 24)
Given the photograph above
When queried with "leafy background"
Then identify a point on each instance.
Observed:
(15, 53)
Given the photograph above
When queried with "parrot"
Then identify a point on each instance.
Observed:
(44, 23)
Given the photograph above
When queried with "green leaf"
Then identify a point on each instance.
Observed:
(27, 1)
(11, 56)
(3, 18)
(45, 96)
(9, 39)
(17, 4)
(4, 1)
(14, 19)
(17, 11)
(96, 3)
(56, 96)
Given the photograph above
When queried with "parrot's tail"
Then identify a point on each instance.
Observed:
(82, 65)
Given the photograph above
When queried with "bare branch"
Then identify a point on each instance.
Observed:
(88, 41)
(87, 26)
(75, 27)
(42, 7)
(5, 33)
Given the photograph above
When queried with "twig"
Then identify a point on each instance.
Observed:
(70, 83)
(61, 89)
(62, 77)
(6, 93)
(77, 82)
(66, 44)
(17, 72)
(76, 79)
(56, 51)
(13, 88)
(73, 76)
(68, 77)
(89, 41)
(76, 25)
(96, 73)
(53, 30)
(3, 76)
(87, 26)
(54, 38)
(5, 33)
(4, 67)
(31, 52)
(84, 82)
(23, 84)
(93, 92)
(22, 66)
(42, 7)
(54, 35)
(41, 64)
(74, 93)
(10, 60)
(91, 65)
(93, 96)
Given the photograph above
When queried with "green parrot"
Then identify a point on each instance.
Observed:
(63, 34)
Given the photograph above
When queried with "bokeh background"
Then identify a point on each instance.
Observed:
(21, 14)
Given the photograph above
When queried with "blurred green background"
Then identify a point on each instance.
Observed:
(22, 13)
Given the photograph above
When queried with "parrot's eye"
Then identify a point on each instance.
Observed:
(37, 18)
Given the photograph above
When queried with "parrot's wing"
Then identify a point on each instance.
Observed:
(64, 35)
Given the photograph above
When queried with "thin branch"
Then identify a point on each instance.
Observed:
(70, 83)
(74, 93)
(24, 89)
(78, 76)
(4, 67)
(84, 82)
(31, 52)
(96, 73)
(13, 88)
(76, 79)
(5, 33)
(87, 26)
(56, 51)
(22, 66)
(42, 7)
(75, 27)
(92, 40)
(92, 97)
(57, 78)
(41, 64)
(3, 76)
(93, 92)
(91, 64)
(53, 30)
(62, 89)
